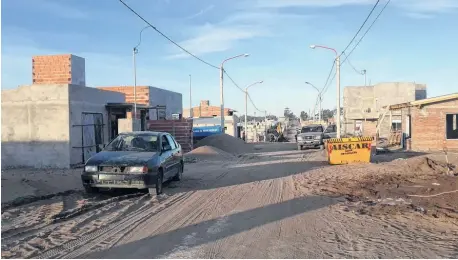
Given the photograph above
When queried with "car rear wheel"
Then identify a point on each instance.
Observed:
(179, 175)
(159, 181)
(91, 190)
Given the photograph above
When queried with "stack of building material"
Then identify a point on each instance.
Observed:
(58, 69)
(180, 129)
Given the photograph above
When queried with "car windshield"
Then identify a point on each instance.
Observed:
(131, 142)
(311, 129)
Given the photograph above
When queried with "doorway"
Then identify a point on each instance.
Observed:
(92, 134)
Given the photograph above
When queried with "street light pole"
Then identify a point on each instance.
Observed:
(190, 98)
(319, 99)
(265, 126)
(364, 72)
(134, 53)
(246, 105)
(337, 84)
(221, 86)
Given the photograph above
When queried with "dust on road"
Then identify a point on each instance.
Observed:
(249, 206)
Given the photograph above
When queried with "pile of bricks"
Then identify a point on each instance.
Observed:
(58, 69)
(180, 129)
(128, 91)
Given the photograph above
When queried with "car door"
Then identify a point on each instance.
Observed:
(166, 157)
(175, 154)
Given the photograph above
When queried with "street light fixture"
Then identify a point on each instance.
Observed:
(338, 84)
(221, 84)
(134, 52)
(246, 104)
(319, 98)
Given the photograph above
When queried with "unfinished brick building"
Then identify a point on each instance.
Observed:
(58, 69)
(430, 124)
(205, 110)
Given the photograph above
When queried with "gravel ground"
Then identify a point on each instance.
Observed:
(259, 205)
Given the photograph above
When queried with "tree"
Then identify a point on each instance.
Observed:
(327, 114)
(304, 116)
(288, 114)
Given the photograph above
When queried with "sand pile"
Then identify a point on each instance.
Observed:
(423, 184)
(226, 143)
(209, 153)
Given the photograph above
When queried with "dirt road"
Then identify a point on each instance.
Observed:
(247, 208)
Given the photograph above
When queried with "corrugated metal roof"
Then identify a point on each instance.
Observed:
(435, 99)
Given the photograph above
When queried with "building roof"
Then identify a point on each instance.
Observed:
(131, 105)
(428, 101)
(423, 102)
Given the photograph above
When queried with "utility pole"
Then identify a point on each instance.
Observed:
(265, 126)
(221, 87)
(246, 111)
(246, 104)
(191, 112)
(134, 52)
(338, 94)
(337, 83)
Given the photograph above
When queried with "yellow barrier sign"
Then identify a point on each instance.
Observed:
(349, 150)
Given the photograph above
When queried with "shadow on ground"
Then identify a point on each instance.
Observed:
(185, 238)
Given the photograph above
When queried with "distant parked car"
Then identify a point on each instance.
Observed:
(311, 136)
(139, 160)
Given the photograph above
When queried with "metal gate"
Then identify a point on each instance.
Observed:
(91, 134)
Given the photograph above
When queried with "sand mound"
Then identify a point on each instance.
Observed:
(226, 143)
(404, 184)
(209, 153)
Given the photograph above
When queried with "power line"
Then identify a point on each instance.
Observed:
(357, 44)
(361, 27)
(368, 29)
(251, 101)
(241, 89)
(233, 82)
(353, 67)
(165, 36)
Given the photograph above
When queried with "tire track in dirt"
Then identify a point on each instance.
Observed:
(84, 244)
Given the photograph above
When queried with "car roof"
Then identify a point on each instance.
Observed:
(142, 133)
(311, 126)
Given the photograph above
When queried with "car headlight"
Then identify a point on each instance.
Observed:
(90, 168)
(137, 169)
(318, 137)
(299, 138)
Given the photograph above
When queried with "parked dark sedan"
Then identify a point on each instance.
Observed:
(139, 160)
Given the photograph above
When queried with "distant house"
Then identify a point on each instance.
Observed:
(430, 124)
(364, 104)
(205, 110)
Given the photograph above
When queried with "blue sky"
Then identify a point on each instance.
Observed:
(414, 40)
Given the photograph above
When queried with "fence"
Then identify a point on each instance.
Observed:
(180, 129)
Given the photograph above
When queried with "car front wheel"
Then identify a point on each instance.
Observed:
(179, 175)
(159, 181)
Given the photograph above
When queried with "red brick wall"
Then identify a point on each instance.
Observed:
(428, 127)
(52, 69)
(369, 128)
(209, 111)
(128, 91)
(181, 130)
